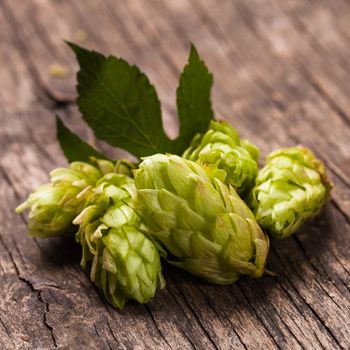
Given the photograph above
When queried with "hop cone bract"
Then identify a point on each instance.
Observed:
(53, 206)
(291, 188)
(201, 221)
(125, 263)
(234, 161)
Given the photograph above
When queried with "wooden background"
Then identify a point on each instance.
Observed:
(281, 77)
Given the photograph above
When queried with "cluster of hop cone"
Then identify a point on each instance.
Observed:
(207, 212)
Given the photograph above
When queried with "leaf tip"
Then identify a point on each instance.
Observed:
(73, 46)
(78, 50)
(59, 123)
(193, 52)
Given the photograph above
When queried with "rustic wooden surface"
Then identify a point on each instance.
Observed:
(281, 77)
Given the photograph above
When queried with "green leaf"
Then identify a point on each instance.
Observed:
(193, 99)
(119, 104)
(73, 147)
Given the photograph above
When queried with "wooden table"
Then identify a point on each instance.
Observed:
(281, 77)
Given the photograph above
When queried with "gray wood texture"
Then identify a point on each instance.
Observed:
(281, 73)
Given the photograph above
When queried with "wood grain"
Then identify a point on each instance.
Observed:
(281, 73)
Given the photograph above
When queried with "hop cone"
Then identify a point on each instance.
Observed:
(291, 188)
(53, 206)
(125, 263)
(234, 161)
(201, 221)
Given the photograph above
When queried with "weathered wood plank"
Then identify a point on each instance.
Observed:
(280, 78)
(14, 73)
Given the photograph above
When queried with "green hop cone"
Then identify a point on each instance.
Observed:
(200, 220)
(291, 188)
(53, 206)
(125, 263)
(232, 160)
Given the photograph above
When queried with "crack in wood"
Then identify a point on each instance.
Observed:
(190, 307)
(111, 331)
(34, 289)
(341, 211)
(280, 318)
(285, 290)
(218, 316)
(5, 327)
(331, 333)
(103, 339)
(338, 173)
(195, 317)
(317, 270)
(270, 332)
(156, 326)
(301, 297)
(47, 310)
